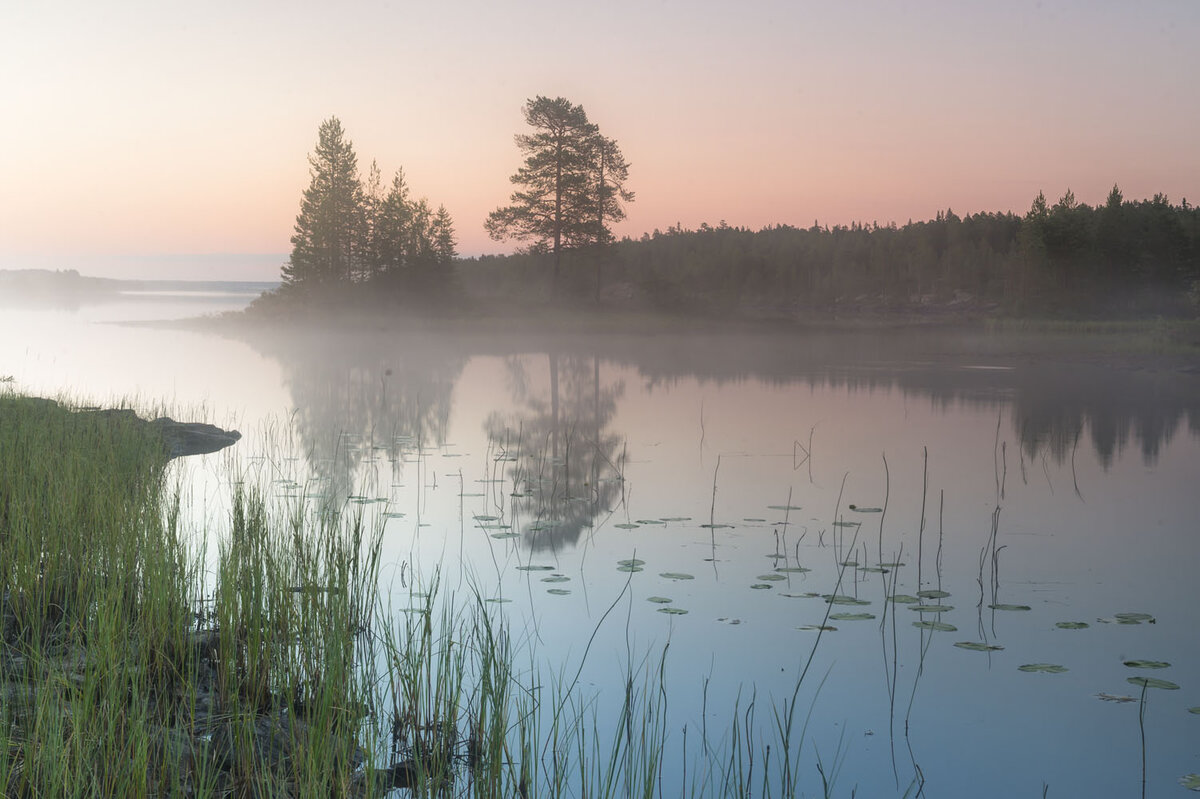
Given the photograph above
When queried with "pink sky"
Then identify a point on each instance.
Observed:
(144, 128)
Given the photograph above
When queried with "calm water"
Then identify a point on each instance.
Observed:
(1004, 474)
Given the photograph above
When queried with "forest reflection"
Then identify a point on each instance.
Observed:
(394, 393)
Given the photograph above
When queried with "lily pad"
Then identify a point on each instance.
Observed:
(851, 616)
(498, 601)
(752, 519)
(976, 646)
(825, 627)
(501, 536)
(1194, 711)
(534, 568)
(673, 611)
(939, 626)
(676, 576)
(850, 563)
(558, 591)
(650, 521)
(1002, 606)
(930, 593)
(676, 518)
(659, 600)
(1133, 618)
(717, 526)
(857, 509)
(1048, 668)
(761, 586)
(1147, 664)
(626, 526)
(809, 595)
(486, 518)
(631, 562)
(931, 608)
(771, 578)
(784, 507)
(895, 564)
(842, 599)
(792, 570)
(1153, 682)
(1190, 781)
(847, 524)
(1072, 625)
(630, 569)
(556, 578)
(874, 569)
(904, 599)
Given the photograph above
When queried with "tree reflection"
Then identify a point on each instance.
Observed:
(565, 465)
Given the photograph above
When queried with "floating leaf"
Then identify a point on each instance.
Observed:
(824, 627)
(904, 599)
(771, 578)
(752, 519)
(676, 518)
(847, 524)
(498, 601)
(676, 576)
(1072, 625)
(486, 518)
(556, 578)
(809, 595)
(1194, 710)
(940, 626)
(792, 570)
(892, 565)
(851, 616)
(1147, 664)
(1153, 682)
(857, 509)
(931, 608)
(501, 536)
(716, 526)
(976, 646)
(626, 526)
(558, 591)
(842, 599)
(1133, 618)
(761, 586)
(650, 521)
(1190, 781)
(784, 507)
(673, 611)
(850, 563)
(1118, 698)
(659, 600)
(873, 569)
(630, 569)
(930, 593)
(1048, 668)
(532, 568)
(631, 562)
(1002, 606)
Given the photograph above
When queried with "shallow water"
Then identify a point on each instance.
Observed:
(1059, 484)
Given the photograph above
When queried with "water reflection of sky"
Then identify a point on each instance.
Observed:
(1093, 469)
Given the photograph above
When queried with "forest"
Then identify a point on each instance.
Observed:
(1068, 259)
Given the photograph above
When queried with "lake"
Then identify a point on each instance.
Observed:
(702, 519)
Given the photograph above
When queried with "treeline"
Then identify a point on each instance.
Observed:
(1069, 258)
(350, 233)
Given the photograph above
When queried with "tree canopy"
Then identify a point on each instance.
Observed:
(570, 187)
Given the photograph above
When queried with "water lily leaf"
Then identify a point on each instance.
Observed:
(717, 526)
(558, 591)
(1147, 664)
(895, 564)
(631, 562)
(533, 568)
(873, 569)
(976, 646)
(1002, 606)
(1194, 711)
(752, 519)
(486, 518)
(659, 600)
(1048, 668)
(1118, 698)
(847, 524)
(809, 595)
(556, 578)
(761, 586)
(1072, 625)
(630, 569)
(673, 611)
(502, 536)
(1153, 682)
(931, 608)
(842, 599)
(792, 570)
(771, 578)
(850, 563)
(676, 576)
(939, 626)
(498, 601)
(676, 518)
(626, 526)
(904, 599)
(851, 616)
(857, 509)
(825, 627)
(1133, 617)
(784, 507)
(930, 593)
(649, 521)
(1190, 781)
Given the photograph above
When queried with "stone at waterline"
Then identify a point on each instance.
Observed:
(181, 438)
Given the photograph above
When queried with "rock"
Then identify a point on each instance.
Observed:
(193, 438)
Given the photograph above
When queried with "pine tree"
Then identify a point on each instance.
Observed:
(327, 242)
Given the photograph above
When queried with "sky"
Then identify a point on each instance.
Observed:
(133, 129)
